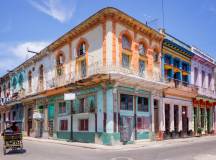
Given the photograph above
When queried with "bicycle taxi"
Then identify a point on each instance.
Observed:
(12, 136)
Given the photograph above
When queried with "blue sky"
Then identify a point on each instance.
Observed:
(33, 24)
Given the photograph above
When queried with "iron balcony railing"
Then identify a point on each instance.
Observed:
(176, 83)
(98, 68)
(207, 92)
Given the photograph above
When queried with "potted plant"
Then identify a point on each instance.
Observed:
(199, 131)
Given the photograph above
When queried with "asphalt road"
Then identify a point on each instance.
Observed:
(47, 151)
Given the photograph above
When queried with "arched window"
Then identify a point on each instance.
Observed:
(60, 59)
(126, 42)
(14, 83)
(41, 78)
(20, 80)
(30, 80)
(82, 49)
(141, 49)
(59, 63)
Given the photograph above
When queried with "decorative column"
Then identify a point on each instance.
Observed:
(180, 118)
(214, 108)
(152, 112)
(25, 119)
(109, 110)
(171, 117)
(162, 115)
(190, 118)
(162, 68)
(100, 104)
(1, 122)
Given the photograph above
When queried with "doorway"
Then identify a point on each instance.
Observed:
(176, 118)
(167, 118)
(126, 128)
(184, 120)
(156, 116)
(208, 120)
(29, 121)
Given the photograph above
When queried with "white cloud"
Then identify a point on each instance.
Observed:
(20, 50)
(58, 9)
(13, 54)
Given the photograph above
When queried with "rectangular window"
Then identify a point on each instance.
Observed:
(185, 67)
(82, 105)
(209, 80)
(195, 75)
(125, 60)
(143, 104)
(62, 107)
(167, 59)
(141, 66)
(83, 68)
(126, 102)
(203, 78)
(140, 123)
(83, 125)
(63, 125)
(176, 63)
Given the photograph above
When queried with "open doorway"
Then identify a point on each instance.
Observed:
(156, 116)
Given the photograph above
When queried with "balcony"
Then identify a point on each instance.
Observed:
(97, 68)
(207, 92)
(181, 88)
(97, 72)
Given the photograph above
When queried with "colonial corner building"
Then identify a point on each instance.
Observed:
(130, 83)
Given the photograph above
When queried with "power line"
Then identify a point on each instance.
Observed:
(163, 17)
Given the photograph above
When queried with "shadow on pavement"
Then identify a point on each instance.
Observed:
(17, 151)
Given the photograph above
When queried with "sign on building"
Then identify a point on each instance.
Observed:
(69, 96)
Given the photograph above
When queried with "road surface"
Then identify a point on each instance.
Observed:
(205, 150)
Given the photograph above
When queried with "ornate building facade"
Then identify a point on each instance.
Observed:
(115, 66)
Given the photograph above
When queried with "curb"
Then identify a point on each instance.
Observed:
(62, 142)
(140, 144)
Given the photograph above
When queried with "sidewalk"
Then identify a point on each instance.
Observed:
(137, 145)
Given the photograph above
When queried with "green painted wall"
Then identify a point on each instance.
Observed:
(63, 135)
(87, 137)
(142, 135)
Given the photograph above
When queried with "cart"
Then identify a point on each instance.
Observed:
(12, 139)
